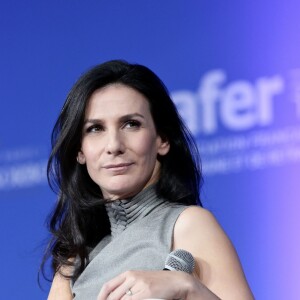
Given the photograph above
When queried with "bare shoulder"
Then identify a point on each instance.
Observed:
(195, 214)
(60, 288)
(200, 222)
(217, 263)
(197, 229)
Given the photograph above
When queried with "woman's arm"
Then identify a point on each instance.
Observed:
(60, 288)
(155, 285)
(218, 273)
(217, 264)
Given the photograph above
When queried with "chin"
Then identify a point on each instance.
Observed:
(120, 191)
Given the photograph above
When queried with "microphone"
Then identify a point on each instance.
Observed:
(178, 260)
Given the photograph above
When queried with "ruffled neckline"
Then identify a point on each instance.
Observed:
(122, 213)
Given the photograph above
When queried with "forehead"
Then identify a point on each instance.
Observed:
(116, 99)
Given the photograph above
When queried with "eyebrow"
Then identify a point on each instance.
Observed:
(122, 119)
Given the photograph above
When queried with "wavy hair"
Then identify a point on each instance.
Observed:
(79, 220)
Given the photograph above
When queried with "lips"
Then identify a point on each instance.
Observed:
(118, 169)
(117, 166)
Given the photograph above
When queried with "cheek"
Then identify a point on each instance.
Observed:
(147, 148)
(90, 151)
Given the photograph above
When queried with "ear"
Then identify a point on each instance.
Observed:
(81, 158)
(163, 147)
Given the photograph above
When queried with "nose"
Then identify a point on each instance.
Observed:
(115, 143)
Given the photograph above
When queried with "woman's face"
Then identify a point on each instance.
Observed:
(120, 144)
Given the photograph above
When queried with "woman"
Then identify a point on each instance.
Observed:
(127, 193)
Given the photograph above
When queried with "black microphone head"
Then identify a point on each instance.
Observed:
(180, 260)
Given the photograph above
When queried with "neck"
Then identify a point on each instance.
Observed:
(122, 213)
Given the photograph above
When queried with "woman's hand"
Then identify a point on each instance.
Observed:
(138, 285)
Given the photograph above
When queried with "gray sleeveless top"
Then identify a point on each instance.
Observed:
(141, 238)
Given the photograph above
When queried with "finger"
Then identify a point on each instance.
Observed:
(110, 286)
(127, 288)
(124, 291)
(130, 294)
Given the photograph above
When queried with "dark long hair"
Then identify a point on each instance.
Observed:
(79, 220)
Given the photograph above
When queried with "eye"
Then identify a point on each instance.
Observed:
(94, 128)
(132, 124)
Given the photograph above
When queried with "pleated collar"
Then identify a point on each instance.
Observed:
(122, 213)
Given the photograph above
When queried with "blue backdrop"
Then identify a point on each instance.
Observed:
(233, 70)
